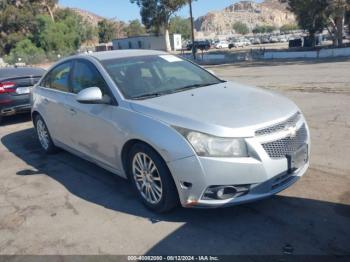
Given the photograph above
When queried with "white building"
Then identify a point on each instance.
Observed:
(148, 42)
(2, 63)
(176, 42)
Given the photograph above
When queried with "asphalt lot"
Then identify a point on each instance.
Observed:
(64, 205)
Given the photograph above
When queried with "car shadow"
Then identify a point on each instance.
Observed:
(15, 119)
(279, 225)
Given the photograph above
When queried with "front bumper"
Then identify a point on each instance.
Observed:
(263, 180)
(263, 175)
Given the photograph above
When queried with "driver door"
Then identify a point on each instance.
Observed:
(93, 127)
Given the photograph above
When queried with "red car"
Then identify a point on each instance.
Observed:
(15, 86)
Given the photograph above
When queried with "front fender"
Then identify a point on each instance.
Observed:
(170, 144)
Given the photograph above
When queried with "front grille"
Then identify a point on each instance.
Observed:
(292, 121)
(286, 146)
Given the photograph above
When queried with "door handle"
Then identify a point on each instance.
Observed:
(46, 101)
(72, 111)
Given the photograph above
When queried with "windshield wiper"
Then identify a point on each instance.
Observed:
(152, 95)
(189, 87)
(167, 92)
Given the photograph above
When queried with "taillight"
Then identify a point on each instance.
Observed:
(7, 87)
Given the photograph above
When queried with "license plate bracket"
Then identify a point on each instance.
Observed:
(298, 159)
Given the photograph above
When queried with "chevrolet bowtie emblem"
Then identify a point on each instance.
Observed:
(292, 131)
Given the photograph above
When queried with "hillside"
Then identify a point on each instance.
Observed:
(269, 12)
(90, 17)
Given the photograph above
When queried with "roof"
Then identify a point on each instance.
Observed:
(13, 72)
(105, 55)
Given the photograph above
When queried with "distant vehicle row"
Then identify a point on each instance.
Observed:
(240, 42)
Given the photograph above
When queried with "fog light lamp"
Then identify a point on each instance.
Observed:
(225, 192)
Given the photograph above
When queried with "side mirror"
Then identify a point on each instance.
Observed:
(91, 95)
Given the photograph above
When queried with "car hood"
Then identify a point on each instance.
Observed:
(227, 109)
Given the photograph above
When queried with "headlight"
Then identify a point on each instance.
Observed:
(211, 146)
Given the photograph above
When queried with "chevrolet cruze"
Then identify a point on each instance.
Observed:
(178, 132)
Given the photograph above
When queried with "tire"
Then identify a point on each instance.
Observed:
(156, 189)
(44, 136)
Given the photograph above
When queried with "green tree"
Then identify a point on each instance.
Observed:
(58, 37)
(262, 29)
(315, 15)
(135, 28)
(15, 25)
(85, 31)
(54, 30)
(311, 15)
(27, 52)
(106, 31)
(179, 25)
(240, 28)
(336, 11)
(157, 13)
(63, 35)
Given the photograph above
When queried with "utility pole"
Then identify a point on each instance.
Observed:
(192, 30)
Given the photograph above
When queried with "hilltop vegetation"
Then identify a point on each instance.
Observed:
(256, 16)
(37, 29)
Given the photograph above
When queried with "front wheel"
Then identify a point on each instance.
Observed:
(151, 179)
(44, 136)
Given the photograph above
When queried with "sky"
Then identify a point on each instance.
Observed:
(125, 11)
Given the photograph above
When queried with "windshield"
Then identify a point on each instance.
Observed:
(156, 75)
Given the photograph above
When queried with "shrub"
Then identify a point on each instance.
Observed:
(241, 28)
(27, 52)
(289, 27)
(261, 29)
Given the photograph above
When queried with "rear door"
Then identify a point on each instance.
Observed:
(52, 93)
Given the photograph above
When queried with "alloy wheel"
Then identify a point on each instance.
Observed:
(43, 134)
(147, 178)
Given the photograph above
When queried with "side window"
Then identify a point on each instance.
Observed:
(59, 77)
(86, 75)
(46, 81)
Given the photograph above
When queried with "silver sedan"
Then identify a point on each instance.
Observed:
(176, 131)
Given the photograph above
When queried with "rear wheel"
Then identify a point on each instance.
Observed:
(44, 136)
(151, 179)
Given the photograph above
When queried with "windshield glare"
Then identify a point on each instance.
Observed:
(139, 77)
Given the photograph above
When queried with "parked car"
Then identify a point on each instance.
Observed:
(201, 45)
(274, 39)
(256, 41)
(245, 41)
(222, 44)
(236, 44)
(15, 86)
(178, 132)
(282, 39)
(265, 40)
